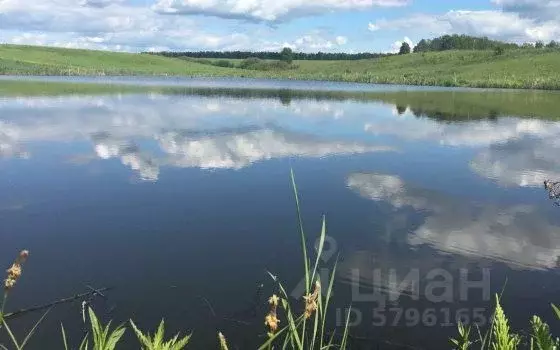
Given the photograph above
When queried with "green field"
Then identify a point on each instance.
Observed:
(519, 68)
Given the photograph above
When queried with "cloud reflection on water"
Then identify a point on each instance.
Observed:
(208, 133)
(518, 235)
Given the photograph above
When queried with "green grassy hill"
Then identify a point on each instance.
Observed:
(520, 68)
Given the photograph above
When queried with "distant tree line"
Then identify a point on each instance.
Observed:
(465, 42)
(442, 43)
(271, 55)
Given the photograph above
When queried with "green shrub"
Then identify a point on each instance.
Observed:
(223, 63)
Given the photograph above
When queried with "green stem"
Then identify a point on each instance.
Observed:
(5, 296)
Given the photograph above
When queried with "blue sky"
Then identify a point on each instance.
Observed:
(304, 25)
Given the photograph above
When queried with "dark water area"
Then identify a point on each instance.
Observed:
(181, 200)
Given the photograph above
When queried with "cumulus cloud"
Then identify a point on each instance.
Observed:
(99, 3)
(543, 9)
(114, 25)
(267, 10)
(341, 40)
(518, 235)
(397, 44)
(516, 21)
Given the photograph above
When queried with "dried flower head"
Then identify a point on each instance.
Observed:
(273, 300)
(14, 272)
(271, 319)
(311, 300)
(23, 255)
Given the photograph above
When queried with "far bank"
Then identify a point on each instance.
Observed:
(515, 69)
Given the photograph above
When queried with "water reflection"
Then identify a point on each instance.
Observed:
(518, 234)
(186, 132)
(376, 213)
(527, 160)
(511, 151)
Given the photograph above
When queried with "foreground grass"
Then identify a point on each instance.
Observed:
(524, 69)
(441, 105)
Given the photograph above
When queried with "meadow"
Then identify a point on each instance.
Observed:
(514, 68)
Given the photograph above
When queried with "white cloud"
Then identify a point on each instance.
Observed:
(99, 3)
(373, 27)
(518, 235)
(544, 9)
(313, 42)
(114, 25)
(395, 48)
(341, 40)
(107, 25)
(496, 24)
(267, 10)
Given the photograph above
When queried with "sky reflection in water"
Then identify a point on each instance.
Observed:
(409, 188)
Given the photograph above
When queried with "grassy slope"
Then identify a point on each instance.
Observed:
(35, 60)
(513, 69)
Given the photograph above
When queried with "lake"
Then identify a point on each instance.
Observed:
(179, 197)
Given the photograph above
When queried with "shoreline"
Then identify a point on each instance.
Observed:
(185, 81)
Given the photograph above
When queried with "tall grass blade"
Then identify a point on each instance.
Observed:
(64, 339)
(556, 310)
(302, 233)
(32, 331)
(12, 337)
(345, 334)
(271, 339)
(316, 321)
(327, 300)
(319, 249)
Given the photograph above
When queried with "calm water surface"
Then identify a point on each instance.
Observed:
(182, 202)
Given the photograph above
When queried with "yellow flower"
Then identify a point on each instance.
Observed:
(9, 283)
(272, 322)
(273, 300)
(14, 272)
(311, 301)
(271, 319)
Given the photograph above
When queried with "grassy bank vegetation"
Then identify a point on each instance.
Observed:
(303, 322)
(512, 68)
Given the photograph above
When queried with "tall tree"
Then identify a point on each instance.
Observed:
(422, 46)
(405, 49)
(287, 55)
